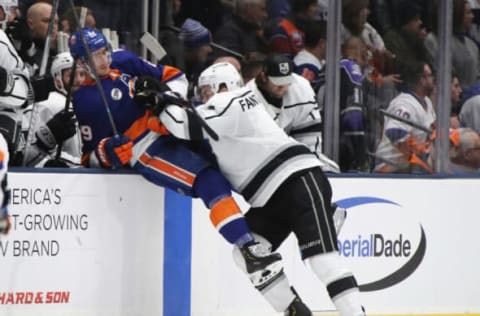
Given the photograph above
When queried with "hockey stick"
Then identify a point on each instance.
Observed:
(48, 39)
(151, 43)
(95, 74)
(414, 160)
(43, 69)
(165, 98)
(73, 69)
(214, 45)
(406, 121)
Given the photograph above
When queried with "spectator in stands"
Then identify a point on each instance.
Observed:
(382, 17)
(38, 17)
(474, 31)
(196, 40)
(381, 79)
(467, 154)
(243, 32)
(470, 107)
(385, 13)
(285, 35)
(403, 147)
(353, 142)
(455, 94)
(310, 61)
(278, 8)
(354, 19)
(28, 35)
(465, 52)
(252, 66)
(69, 23)
(406, 40)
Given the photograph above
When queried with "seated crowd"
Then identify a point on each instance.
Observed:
(389, 52)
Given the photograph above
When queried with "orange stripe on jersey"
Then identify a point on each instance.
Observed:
(168, 169)
(138, 127)
(223, 209)
(114, 74)
(169, 72)
(2, 156)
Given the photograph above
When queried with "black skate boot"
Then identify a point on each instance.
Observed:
(262, 265)
(297, 307)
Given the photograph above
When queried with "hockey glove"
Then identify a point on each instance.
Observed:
(114, 151)
(148, 91)
(19, 34)
(6, 82)
(58, 129)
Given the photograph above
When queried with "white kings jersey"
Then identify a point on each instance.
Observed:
(253, 152)
(10, 60)
(407, 106)
(299, 116)
(71, 148)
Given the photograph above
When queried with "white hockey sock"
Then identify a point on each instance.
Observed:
(348, 303)
(341, 285)
(278, 294)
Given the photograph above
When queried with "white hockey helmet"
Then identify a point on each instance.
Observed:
(220, 75)
(60, 62)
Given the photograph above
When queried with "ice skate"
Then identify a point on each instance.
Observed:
(262, 265)
(297, 307)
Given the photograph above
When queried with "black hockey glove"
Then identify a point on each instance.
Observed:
(6, 81)
(148, 91)
(58, 129)
(42, 86)
(19, 34)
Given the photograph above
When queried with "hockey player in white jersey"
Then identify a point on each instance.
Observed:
(4, 192)
(291, 102)
(56, 127)
(15, 95)
(280, 178)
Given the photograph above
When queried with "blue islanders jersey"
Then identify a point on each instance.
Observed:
(130, 118)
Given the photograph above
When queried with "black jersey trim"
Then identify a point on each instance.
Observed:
(252, 187)
(11, 53)
(299, 104)
(228, 106)
(316, 128)
(195, 131)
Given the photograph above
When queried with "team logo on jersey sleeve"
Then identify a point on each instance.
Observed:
(116, 94)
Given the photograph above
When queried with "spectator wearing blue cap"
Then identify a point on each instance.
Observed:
(196, 40)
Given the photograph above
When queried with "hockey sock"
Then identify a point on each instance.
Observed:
(341, 284)
(227, 218)
(225, 214)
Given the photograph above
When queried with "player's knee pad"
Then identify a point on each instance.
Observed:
(331, 270)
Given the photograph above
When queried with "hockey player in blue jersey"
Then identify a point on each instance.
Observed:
(161, 159)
